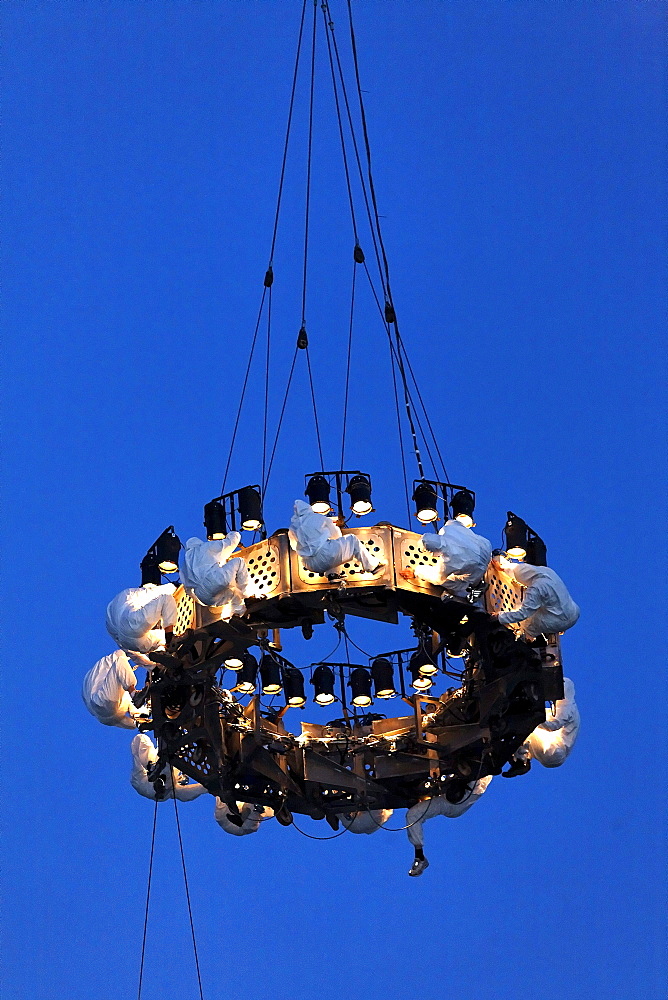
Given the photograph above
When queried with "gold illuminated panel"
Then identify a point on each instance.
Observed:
(503, 592)
(409, 554)
(185, 611)
(266, 567)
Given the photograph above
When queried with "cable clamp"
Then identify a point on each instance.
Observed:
(302, 339)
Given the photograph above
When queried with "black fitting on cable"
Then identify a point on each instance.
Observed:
(358, 254)
(302, 339)
(390, 315)
(269, 277)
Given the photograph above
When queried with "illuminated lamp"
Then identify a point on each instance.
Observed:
(214, 520)
(270, 673)
(234, 662)
(167, 550)
(462, 506)
(360, 685)
(516, 532)
(293, 683)
(424, 662)
(247, 676)
(250, 508)
(425, 503)
(317, 491)
(359, 489)
(150, 571)
(420, 682)
(323, 682)
(382, 673)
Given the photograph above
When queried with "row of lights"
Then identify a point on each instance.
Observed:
(278, 676)
(318, 491)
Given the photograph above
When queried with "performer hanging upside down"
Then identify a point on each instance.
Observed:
(141, 619)
(466, 794)
(321, 544)
(107, 691)
(547, 606)
(212, 577)
(172, 783)
(552, 741)
(248, 820)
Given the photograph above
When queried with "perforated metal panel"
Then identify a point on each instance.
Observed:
(503, 593)
(185, 613)
(409, 554)
(266, 567)
(378, 540)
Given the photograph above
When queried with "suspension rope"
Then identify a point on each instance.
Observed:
(148, 897)
(266, 390)
(287, 134)
(350, 346)
(280, 420)
(422, 404)
(308, 164)
(311, 837)
(315, 410)
(185, 881)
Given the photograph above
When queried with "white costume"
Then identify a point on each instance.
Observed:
(547, 606)
(137, 617)
(106, 691)
(212, 578)
(144, 754)
(464, 558)
(367, 820)
(439, 806)
(552, 741)
(322, 546)
(251, 817)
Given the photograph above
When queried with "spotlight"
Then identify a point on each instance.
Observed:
(360, 685)
(247, 675)
(214, 520)
(423, 663)
(536, 551)
(250, 508)
(421, 682)
(425, 503)
(323, 682)
(383, 678)
(150, 571)
(234, 662)
(167, 550)
(270, 673)
(516, 531)
(317, 491)
(462, 506)
(359, 489)
(293, 682)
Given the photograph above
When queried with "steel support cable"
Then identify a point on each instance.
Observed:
(349, 355)
(148, 897)
(422, 404)
(315, 410)
(185, 881)
(243, 389)
(287, 134)
(311, 837)
(358, 159)
(308, 164)
(280, 420)
(266, 390)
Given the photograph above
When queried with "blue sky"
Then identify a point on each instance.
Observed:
(519, 164)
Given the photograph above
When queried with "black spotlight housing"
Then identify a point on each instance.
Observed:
(150, 571)
(323, 682)
(382, 673)
(318, 490)
(462, 502)
(516, 532)
(250, 508)
(425, 503)
(247, 676)
(293, 685)
(456, 790)
(359, 490)
(360, 686)
(214, 520)
(536, 550)
(270, 674)
(421, 682)
(167, 549)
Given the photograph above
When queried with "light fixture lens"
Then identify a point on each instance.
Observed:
(424, 496)
(317, 491)
(234, 663)
(167, 550)
(464, 519)
(166, 566)
(428, 669)
(360, 684)
(246, 687)
(322, 507)
(426, 515)
(324, 698)
(422, 683)
(323, 682)
(362, 700)
(516, 531)
(250, 508)
(359, 489)
(517, 552)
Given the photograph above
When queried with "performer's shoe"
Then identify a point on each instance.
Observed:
(517, 767)
(418, 866)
